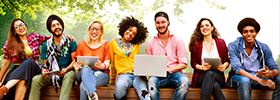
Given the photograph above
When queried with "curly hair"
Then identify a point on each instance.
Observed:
(248, 22)
(197, 35)
(142, 31)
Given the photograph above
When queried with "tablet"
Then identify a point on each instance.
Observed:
(51, 72)
(88, 60)
(214, 62)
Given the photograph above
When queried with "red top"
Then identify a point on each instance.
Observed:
(196, 57)
(102, 52)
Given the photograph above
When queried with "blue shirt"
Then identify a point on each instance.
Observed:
(251, 63)
(64, 61)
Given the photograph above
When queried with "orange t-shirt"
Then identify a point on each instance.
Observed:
(102, 52)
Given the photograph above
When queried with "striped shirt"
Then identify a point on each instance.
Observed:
(251, 62)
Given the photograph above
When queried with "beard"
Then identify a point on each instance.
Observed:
(163, 31)
(57, 35)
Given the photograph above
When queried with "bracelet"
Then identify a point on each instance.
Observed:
(104, 66)
(273, 73)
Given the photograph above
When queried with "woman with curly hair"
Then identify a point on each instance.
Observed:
(122, 51)
(205, 43)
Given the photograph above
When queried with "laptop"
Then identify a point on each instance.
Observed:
(88, 60)
(150, 65)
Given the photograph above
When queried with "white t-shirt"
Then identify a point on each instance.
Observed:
(213, 54)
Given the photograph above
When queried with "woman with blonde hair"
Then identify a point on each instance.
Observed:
(89, 77)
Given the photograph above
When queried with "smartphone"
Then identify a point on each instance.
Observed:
(262, 70)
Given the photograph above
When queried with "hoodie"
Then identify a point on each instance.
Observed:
(236, 53)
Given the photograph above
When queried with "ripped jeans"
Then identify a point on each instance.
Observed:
(127, 80)
(177, 80)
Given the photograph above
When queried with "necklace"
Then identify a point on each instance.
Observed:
(208, 48)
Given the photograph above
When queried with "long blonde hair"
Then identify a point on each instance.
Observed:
(101, 38)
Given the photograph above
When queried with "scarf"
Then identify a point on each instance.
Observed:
(54, 53)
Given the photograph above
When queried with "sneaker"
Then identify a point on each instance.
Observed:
(93, 96)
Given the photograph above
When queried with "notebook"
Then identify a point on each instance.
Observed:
(150, 65)
(88, 60)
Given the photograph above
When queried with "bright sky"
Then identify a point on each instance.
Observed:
(266, 12)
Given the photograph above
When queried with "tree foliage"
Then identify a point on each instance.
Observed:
(84, 9)
(77, 14)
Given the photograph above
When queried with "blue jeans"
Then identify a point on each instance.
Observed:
(126, 80)
(177, 80)
(89, 79)
(245, 85)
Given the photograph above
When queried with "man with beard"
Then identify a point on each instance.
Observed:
(168, 44)
(58, 56)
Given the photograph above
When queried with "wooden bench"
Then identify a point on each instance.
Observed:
(106, 93)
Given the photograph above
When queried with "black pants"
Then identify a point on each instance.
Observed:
(25, 71)
(211, 82)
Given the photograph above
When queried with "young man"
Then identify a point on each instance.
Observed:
(58, 55)
(170, 45)
(247, 57)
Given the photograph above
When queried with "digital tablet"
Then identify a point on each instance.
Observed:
(88, 60)
(50, 72)
(214, 62)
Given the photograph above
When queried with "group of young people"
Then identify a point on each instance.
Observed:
(116, 60)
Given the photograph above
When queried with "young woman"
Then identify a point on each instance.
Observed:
(122, 51)
(94, 44)
(205, 43)
(22, 50)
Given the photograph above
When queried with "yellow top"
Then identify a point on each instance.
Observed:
(28, 51)
(120, 62)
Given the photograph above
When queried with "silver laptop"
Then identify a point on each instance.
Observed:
(88, 60)
(150, 65)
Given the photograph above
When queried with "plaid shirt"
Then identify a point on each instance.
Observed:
(34, 40)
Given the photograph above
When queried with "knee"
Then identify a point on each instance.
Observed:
(152, 84)
(210, 73)
(85, 69)
(216, 85)
(244, 81)
(153, 81)
(36, 81)
(121, 85)
(21, 83)
(69, 76)
(184, 83)
(37, 78)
